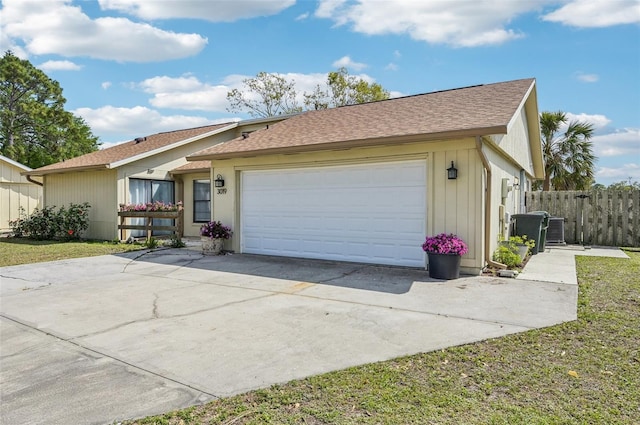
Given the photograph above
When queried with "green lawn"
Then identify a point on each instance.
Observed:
(14, 251)
(583, 372)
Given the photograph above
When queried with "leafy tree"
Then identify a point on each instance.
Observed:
(36, 130)
(625, 185)
(569, 159)
(344, 89)
(265, 95)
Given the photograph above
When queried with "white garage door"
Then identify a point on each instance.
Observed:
(373, 213)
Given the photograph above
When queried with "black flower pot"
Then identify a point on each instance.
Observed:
(444, 266)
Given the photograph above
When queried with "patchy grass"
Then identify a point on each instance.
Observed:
(583, 372)
(14, 251)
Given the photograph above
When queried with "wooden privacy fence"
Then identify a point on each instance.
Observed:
(595, 217)
(148, 225)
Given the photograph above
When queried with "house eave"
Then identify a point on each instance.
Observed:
(15, 163)
(348, 144)
(66, 170)
(172, 146)
(190, 171)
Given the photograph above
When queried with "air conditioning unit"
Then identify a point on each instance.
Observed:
(555, 231)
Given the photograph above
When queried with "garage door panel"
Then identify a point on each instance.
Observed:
(366, 213)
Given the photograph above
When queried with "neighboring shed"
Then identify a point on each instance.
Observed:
(141, 171)
(16, 192)
(367, 183)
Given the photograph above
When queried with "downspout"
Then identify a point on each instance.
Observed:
(34, 181)
(487, 209)
(523, 192)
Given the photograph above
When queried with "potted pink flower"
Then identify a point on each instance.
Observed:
(444, 252)
(212, 235)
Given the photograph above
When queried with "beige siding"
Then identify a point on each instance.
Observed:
(501, 169)
(457, 204)
(16, 192)
(98, 188)
(453, 206)
(516, 143)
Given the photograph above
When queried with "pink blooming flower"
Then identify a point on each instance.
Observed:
(215, 230)
(445, 244)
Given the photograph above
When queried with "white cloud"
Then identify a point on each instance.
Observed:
(347, 62)
(185, 92)
(397, 54)
(598, 121)
(137, 121)
(188, 92)
(391, 67)
(219, 11)
(625, 142)
(596, 13)
(57, 27)
(587, 78)
(105, 85)
(302, 17)
(59, 66)
(624, 172)
(456, 23)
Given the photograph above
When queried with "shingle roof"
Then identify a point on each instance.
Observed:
(192, 166)
(106, 157)
(477, 110)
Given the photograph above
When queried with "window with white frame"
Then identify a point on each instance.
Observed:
(201, 201)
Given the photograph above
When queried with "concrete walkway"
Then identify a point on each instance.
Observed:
(557, 263)
(101, 339)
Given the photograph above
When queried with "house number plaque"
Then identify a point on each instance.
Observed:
(222, 191)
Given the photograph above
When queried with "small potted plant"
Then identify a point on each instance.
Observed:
(520, 245)
(213, 235)
(444, 252)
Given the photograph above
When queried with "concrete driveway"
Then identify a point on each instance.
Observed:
(98, 340)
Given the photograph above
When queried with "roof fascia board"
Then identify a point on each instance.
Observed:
(529, 103)
(533, 118)
(524, 100)
(354, 144)
(273, 118)
(190, 170)
(15, 163)
(171, 146)
(65, 170)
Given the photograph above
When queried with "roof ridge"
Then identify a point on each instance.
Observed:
(191, 128)
(433, 92)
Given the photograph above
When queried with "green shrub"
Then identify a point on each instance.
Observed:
(151, 243)
(505, 255)
(47, 223)
(522, 240)
(175, 242)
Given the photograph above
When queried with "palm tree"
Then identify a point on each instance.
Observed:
(569, 159)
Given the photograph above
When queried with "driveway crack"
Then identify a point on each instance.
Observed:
(112, 357)
(154, 312)
(157, 316)
(345, 274)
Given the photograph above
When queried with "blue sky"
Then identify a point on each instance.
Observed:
(137, 67)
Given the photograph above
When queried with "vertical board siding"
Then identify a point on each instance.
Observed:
(457, 204)
(16, 192)
(597, 217)
(16, 196)
(98, 188)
